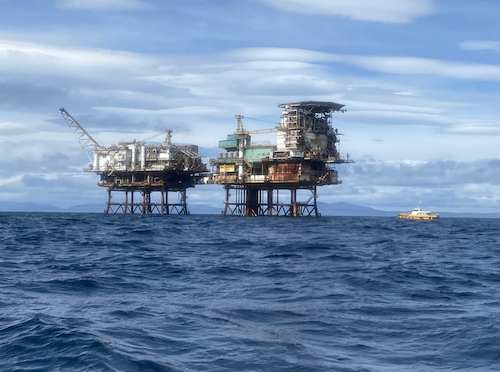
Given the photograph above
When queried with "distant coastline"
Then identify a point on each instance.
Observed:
(326, 209)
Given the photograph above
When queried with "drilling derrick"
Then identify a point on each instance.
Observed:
(302, 159)
(147, 169)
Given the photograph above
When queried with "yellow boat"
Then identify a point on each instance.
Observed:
(419, 214)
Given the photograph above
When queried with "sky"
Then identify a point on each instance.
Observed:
(419, 79)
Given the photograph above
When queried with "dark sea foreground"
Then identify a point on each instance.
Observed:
(92, 292)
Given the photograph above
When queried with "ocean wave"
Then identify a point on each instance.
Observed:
(208, 293)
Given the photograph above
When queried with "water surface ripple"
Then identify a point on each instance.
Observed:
(83, 292)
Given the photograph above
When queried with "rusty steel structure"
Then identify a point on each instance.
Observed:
(142, 172)
(266, 180)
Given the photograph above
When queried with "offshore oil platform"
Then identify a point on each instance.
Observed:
(259, 179)
(131, 168)
(255, 176)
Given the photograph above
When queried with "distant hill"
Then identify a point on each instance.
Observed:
(6, 206)
(326, 209)
(87, 208)
(204, 209)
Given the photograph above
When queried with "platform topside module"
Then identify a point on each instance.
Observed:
(131, 167)
(303, 158)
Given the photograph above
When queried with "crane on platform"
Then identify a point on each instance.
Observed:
(241, 129)
(88, 143)
(260, 131)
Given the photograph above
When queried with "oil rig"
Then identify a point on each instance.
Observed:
(132, 168)
(256, 176)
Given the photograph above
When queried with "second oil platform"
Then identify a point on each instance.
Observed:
(255, 176)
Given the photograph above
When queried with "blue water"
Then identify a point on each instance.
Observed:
(91, 292)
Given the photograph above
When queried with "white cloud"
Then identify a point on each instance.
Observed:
(478, 197)
(447, 185)
(480, 45)
(275, 65)
(197, 110)
(248, 67)
(405, 94)
(104, 4)
(399, 114)
(243, 81)
(206, 92)
(281, 54)
(488, 128)
(387, 64)
(440, 185)
(13, 129)
(360, 106)
(389, 11)
(21, 59)
(425, 66)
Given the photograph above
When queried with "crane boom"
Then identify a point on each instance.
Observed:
(259, 131)
(241, 129)
(88, 144)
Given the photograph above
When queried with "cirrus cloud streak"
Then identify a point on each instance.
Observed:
(388, 11)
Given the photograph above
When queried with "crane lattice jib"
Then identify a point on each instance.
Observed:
(88, 144)
(261, 131)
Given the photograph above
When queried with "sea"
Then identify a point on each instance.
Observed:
(96, 292)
